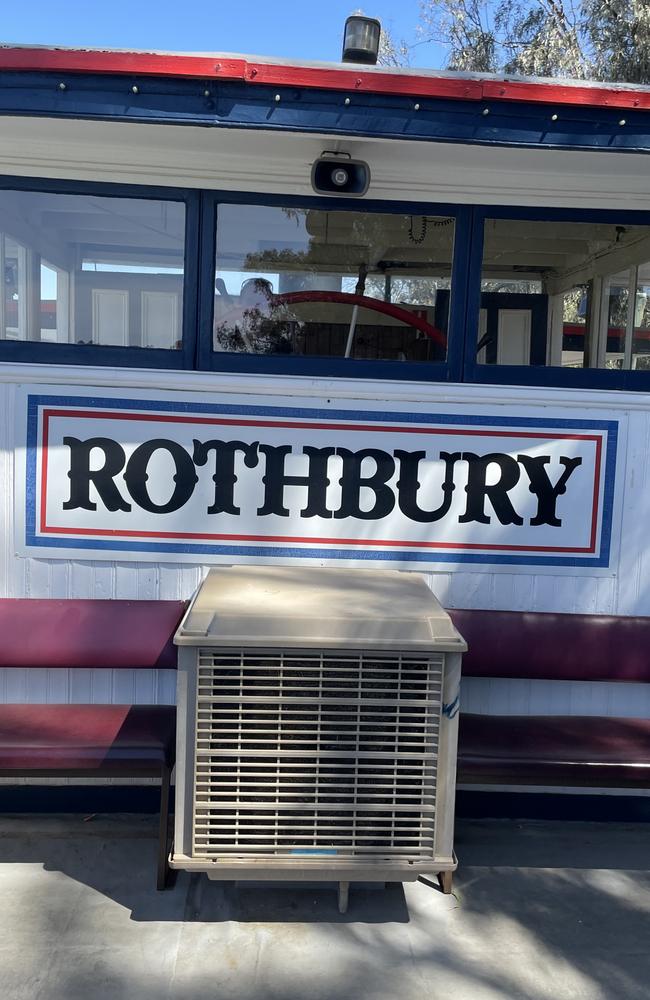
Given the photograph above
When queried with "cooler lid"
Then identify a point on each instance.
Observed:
(312, 607)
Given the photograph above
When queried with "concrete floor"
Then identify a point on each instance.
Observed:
(540, 910)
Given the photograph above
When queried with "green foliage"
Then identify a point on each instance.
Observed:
(618, 35)
(580, 39)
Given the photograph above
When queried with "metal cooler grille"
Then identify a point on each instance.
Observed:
(316, 754)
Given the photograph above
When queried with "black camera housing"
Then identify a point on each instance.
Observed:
(325, 170)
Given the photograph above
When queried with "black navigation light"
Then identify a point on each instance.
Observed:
(337, 173)
(361, 40)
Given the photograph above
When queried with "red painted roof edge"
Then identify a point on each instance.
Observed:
(344, 78)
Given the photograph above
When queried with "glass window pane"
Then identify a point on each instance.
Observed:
(335, 284)
(641, 333)
(616, 299)
(557, 293)
(13, 256)
(83, 269)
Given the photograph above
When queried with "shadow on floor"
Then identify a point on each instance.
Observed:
(116, 856)
(540, 911)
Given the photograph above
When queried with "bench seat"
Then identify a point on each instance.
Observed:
(110, 738)
(91, 741)
(554, 750)
(560, 750)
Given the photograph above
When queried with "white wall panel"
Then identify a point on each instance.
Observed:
(93, 686)
(500, 696)
(633, 579)
(278, 163)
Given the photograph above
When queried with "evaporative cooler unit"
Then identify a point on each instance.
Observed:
(317, 725)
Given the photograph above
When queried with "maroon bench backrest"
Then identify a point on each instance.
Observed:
(123, 634)
(86, 633)
(554, 646)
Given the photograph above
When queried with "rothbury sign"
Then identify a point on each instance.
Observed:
(205, 481)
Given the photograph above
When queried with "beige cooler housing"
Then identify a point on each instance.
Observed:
(318, 714)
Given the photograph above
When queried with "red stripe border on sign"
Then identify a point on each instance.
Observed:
(316, 425)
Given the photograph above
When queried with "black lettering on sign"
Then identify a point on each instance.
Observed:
(408, 485)
(275, 480)
(369, 469)
(542, 487)
(136, 476)
(352, 482)
(224, 470)
(103, 479)
(478, 490)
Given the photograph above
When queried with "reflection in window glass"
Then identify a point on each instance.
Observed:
(14, 312)
(627, 343)
(640, 352)
(616, 294)
(338, 284)
(558, 293)
(82, 269)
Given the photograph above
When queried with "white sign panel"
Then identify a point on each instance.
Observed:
(198, 480)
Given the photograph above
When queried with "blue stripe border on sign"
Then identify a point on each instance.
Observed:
(35, 402)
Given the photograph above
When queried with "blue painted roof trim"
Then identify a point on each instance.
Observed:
(237, 105)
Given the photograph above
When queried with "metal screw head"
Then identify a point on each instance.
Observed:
(554, 118)
(206, 93)
(278, 98)
(62, 86)
(416, 107)
(486, 111)
(347, 100)
(622, 122)
(135, 90)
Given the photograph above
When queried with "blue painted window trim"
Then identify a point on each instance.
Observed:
(19, 351)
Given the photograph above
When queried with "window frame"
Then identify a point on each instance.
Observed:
(538, 375)
(324, 366)
(38, 352)
(198, 295)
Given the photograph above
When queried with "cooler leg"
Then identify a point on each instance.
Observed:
(344, 892)
(446, 881)
(163, 835)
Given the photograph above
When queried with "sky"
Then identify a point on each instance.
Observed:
(291, 29)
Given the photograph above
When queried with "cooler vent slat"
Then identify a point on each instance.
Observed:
(316, 753)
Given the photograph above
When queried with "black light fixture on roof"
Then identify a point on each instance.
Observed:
(361, 39)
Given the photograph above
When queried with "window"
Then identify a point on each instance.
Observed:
(108, 274)
(565, 293)
(90, 270)
(332, 284)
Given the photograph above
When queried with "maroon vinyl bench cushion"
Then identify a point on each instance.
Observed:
(554, 750)
(77, 737)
